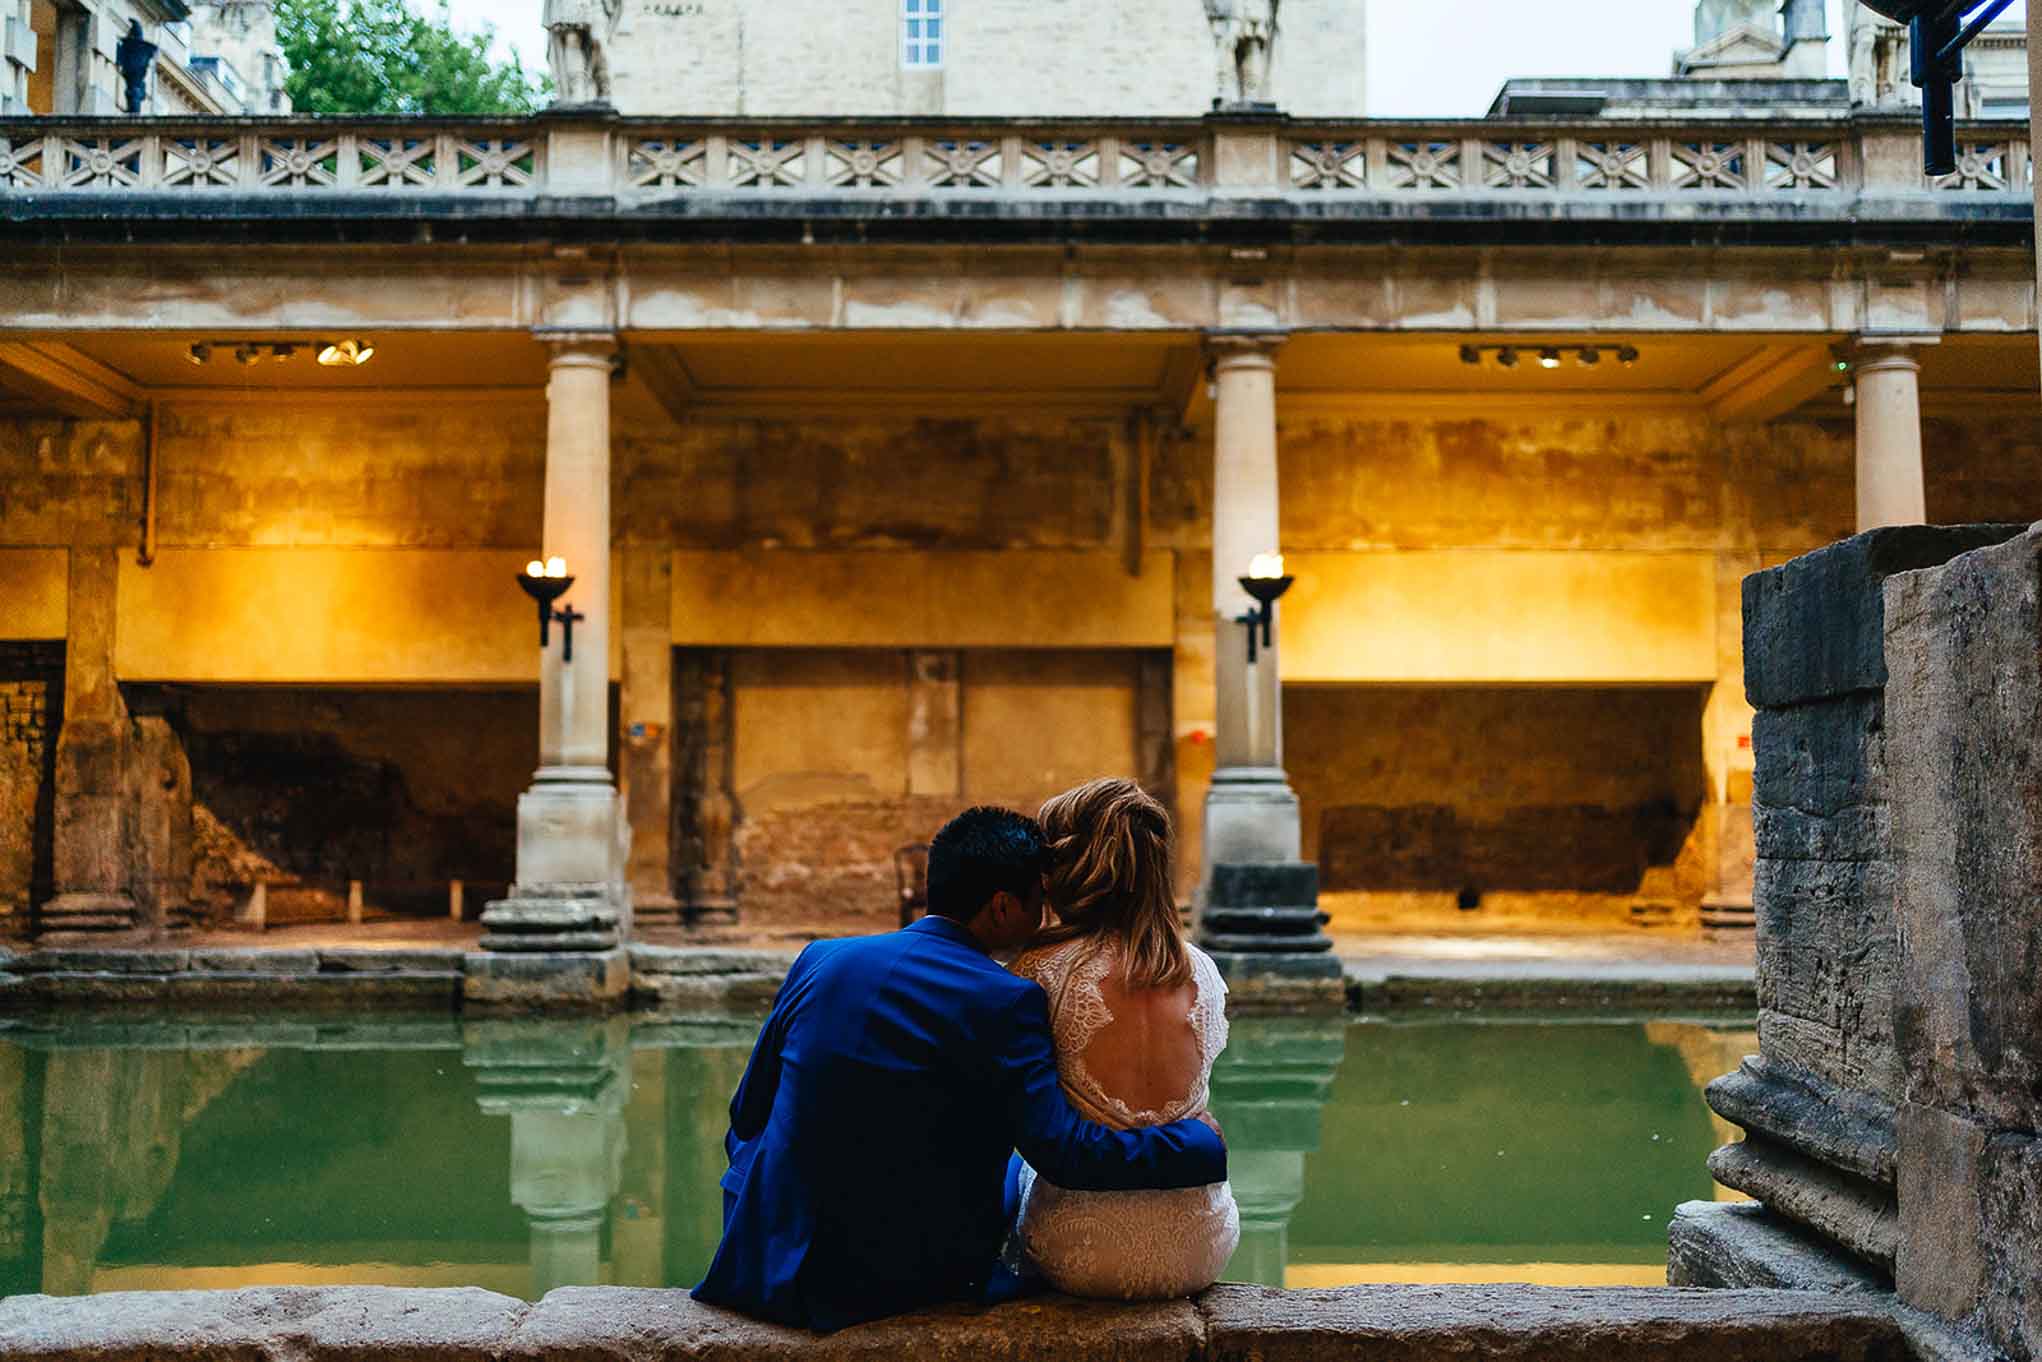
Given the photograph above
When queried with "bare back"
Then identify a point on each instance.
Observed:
(1127, 1056)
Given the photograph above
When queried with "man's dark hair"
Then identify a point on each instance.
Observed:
(979, 853)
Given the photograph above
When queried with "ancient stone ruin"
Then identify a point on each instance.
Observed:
(1892, 1114)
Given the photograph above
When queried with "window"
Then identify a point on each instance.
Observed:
(921, 33)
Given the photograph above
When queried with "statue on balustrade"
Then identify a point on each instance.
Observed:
(1244, 36)
(577, 51)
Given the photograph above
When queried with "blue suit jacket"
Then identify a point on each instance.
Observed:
(869, 1137)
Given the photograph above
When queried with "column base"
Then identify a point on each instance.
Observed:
(1251, 816)
(542, 981)
(571, 894)
(1260, 924)
(88, 915)
(551, 918)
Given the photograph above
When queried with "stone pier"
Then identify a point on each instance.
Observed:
(558, 936)
(1890, 1117)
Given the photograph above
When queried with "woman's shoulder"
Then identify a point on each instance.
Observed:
(1205, 971)
(1047, 960)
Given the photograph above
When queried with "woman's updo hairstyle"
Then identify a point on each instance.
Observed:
(1107, 849)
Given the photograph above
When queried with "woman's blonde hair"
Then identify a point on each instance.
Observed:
(1107, 846)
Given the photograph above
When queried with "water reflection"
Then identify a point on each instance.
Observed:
(520, 1156)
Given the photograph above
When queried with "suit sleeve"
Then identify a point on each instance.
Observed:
(753, 1101)
(1079, 1154)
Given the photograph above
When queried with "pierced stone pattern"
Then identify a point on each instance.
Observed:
(1980, 166)
(768, 162)
(667, 162)
(1329, 165)
(957, 163)
(1425, 165)
(1801, 165)
(1060, 165)
(1708, 165)
(394, 162)
(1158, 165)
(863, 165)
(1613, 166)
(297, 161)
(21, 162)
(101, 163)
(494, 163)
(195, 162)
(1518, 165)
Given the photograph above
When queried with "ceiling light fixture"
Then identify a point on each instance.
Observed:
(1549, 358)
(1589, 356)
(1507, 356)
(1627, 355)
(200, 354)
(347, 354)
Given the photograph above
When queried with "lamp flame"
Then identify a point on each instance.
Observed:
(556, 567)
(1266, 566)
(535, 568)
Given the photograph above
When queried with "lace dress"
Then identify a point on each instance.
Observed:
(1123, 1245)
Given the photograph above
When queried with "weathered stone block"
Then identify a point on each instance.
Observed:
(1741, 1244)
(388, 1324)
(1846, 1129)
(538, 981)
(410, 959)
(1279, 884)
(140, 961)
(616, 1324)
(1851, 1211)
(1964, 740)
(1818, 922)
(2013, 1238)
(1822, 758)
(652, 960)
(1814, 627)
(1941, 1265)
(1428, 1323)
(1860, 833)
(252, 960)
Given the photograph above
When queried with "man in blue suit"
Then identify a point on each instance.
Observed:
(869, 1138)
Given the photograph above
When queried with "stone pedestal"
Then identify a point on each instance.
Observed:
(1261, 924)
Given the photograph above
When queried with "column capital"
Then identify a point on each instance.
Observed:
(1875, 350)
(1230, 349)
(571, 348)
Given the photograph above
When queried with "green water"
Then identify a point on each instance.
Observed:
(522, 1156)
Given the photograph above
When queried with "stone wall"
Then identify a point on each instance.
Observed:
(1964, 733)
(1550, 799)
(1890, 1116)
(31, 712)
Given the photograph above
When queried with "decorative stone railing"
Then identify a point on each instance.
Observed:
(637, 161)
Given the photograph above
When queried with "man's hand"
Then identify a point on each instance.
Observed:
(1212, 1123)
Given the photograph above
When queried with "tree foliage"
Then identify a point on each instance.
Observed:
(384, 57)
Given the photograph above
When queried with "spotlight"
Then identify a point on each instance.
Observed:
(1589, 356)
(1627, 355)
(200, 354)
(1470, 355)
(1507, 357)
(1549, 358)
(282, 353)
(346, 354)
(247, 354)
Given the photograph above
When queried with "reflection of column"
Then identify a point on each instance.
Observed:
(1888, 405)
(563, 1085)
(571, 897)
(1269, 1087)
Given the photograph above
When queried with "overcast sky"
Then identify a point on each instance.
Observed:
(1437, 58)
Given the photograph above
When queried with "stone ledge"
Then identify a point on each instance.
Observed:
(1226, 1324)
(695, 960)
(1704, 991)
(1438, 1323)
(1855, 1213)
(1742, 1244)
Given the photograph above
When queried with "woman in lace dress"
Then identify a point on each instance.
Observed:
(1139, 1015)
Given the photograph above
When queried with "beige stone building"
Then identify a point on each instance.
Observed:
(973, 58)
(212, 57)
(906, 463)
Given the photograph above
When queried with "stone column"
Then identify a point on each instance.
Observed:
(570, 906)
(1890, 483)
(94, 816)
(1258, 904)
(1251, 813)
